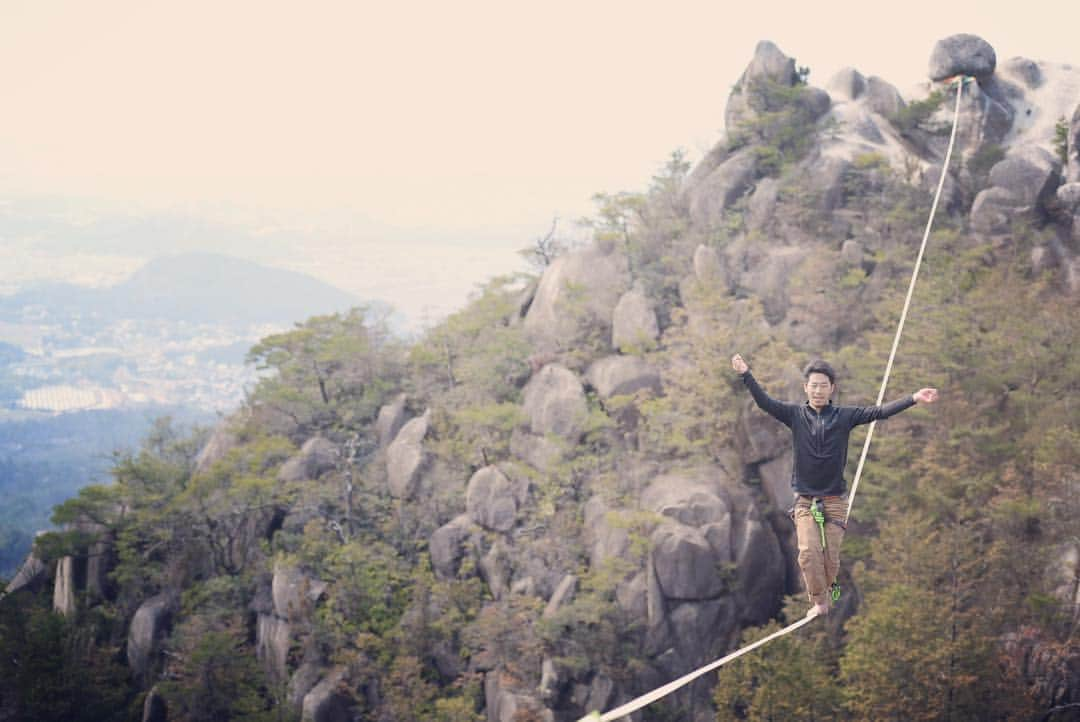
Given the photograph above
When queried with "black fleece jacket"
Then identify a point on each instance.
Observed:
(820, 440)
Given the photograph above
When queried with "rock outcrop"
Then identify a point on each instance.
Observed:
(492, 500)
(576, 297)
(554, 403)
(391, 418)
(405, 458)
(962, 54)
(150, 623)
(633, 323)
(316, 457)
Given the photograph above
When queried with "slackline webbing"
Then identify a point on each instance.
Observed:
(907, 301)
(660, 692)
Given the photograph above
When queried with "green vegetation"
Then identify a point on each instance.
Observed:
(916, 115)
(781, 131)
(1061, 140)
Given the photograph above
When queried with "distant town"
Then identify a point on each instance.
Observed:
(75, 364)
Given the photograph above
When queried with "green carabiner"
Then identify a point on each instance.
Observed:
(819, 517)
(834, 591)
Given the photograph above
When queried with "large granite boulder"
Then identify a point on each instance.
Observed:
(686, 565)
(563, 594)
(447, 546)
(325, 703)
(761, 207)
(993, 210)
(605, 537)
(622, 375)
(576, 297)
(962, 54)
(503, 704)
(316, 457)
(1068, 199)
(687, 501)
(150, 623)
(1029, 172)
(775, 477)
(294, 591)
(846, 84)
(1026, 71)
(882, 97)
(769, 271)
(633, 322)
(827, 177)
(721, 188)
(405, 458)
(391, 418)
(492, 500)
(32, 572)
(769, 63)
(554, 403)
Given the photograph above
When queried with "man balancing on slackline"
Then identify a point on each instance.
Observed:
(819, 432)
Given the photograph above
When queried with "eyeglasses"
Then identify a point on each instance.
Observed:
(818, 387)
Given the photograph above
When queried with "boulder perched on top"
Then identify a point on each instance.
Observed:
(577, 295)
(962, 54)
(554, 403)
(769, 63)
(316, 457)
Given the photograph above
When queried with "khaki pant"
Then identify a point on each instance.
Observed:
(819, 566)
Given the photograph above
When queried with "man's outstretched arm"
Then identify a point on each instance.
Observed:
(866, 414)
(777, 409)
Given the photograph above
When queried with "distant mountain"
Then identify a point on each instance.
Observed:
(196, 287)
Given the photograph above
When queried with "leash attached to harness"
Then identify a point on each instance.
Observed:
(660, 692)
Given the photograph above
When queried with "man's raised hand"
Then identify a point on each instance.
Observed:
(740, 366)
(925, 396)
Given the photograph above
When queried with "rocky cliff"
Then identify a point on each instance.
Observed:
(596, 507)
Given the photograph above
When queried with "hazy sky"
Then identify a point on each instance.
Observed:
(464, 119)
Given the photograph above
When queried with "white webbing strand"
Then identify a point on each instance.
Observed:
(907, 300)
(635, 704)
(660, 692)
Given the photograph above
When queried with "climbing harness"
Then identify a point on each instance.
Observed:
(649, 697)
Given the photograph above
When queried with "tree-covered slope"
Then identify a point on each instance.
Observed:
(562, 496)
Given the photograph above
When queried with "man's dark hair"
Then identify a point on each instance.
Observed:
(819, 367)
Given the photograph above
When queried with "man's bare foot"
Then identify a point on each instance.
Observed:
(820, 609)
